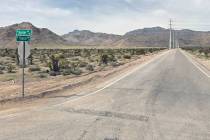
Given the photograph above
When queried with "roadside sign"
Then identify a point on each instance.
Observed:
(23, 38)
(20, 52)
(23, 32)
(23, 35)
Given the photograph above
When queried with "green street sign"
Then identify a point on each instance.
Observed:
(23, 35)
(23, 38)
(23, 32)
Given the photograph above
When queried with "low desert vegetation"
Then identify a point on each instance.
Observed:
(201, 52)
(44, 63)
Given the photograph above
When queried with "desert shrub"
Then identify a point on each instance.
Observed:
(151, 50)
(53, 73)
(77, 52)
(75, 59)
(141, 52)
(74, 64)
(64, 64)
(90, 67)
(127, 56)
(76, 71)
(47, 71)
(12, 55)
(83, 64)
(119, 57)
(10, 68)
(111, 58)
(61, 56)
(85, 53)
(1, 72)
(43, 75)
(42, 58)
(66, 72)
(49, 64)
(115, 64)
(2, 67)
(34, 68)
(92, 59)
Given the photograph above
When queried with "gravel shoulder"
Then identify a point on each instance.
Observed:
(205, 62)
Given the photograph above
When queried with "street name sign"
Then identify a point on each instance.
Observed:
(23, 32)
(23, 38)
(23, 35)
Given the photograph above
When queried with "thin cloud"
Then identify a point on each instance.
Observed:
(116, 16)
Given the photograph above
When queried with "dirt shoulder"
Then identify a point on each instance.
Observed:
(68, 86)
(201, 59)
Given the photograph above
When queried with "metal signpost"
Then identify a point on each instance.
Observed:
(23, 36)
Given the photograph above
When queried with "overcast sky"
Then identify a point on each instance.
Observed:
(109, 16)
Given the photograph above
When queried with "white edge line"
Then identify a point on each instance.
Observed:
(198, 67)
(113, 82)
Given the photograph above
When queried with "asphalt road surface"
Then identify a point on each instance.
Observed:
(168, 99)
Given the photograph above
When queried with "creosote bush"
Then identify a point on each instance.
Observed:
(34, 68)
(10, 68)
(1, 72)
(66, 72)
(90, 67)
(127, 56)
(76, 71)
(43, 75)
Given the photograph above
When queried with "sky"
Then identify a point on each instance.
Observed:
(108, 16)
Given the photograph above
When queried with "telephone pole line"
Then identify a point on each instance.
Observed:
(170, 40)
(174, 38)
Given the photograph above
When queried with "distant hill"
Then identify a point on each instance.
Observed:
(88, 38)
(147, 37)
(41, 36)
(194, 38)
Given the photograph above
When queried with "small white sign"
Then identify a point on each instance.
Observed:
(20, 52)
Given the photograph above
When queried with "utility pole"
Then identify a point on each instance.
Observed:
(174, 39)
(170, 40)
(178, 43)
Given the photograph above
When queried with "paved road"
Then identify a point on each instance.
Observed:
(169, 99)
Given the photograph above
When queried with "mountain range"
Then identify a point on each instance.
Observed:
(147, 37)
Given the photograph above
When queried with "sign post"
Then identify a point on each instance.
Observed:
(23, 80)
(23, 36)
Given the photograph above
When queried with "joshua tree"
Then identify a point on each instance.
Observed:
(30, 59)
(55, 63)
(104, 58)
